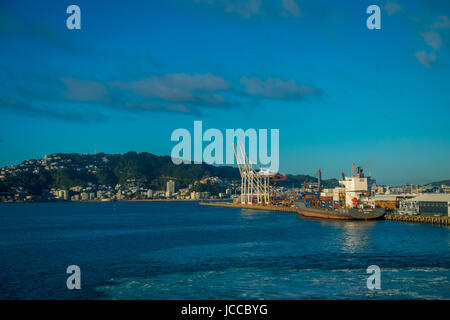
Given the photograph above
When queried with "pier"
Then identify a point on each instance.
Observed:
(442, 220)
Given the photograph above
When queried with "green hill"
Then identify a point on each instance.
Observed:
(64, 171)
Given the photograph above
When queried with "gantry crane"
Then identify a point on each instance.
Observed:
(254, 184)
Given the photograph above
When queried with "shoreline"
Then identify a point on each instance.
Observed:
(249, 207)
(89, 201)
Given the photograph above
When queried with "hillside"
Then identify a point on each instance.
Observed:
(439, 183)
(64, 171)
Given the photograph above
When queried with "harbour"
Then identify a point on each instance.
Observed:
(353, 200)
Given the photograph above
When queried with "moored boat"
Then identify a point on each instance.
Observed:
(352, 201)
(339, 213)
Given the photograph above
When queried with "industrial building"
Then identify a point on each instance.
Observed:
(427, 205)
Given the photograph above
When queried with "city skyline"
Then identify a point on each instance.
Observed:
(338, 92)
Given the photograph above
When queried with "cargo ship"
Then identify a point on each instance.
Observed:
(351, 201)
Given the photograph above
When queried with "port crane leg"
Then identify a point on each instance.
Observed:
(253, 184)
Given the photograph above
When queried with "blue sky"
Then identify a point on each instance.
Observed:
(137, 70)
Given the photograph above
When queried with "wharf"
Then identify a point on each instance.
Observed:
(418, 219)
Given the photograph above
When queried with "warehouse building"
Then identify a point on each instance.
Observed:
(427, 205)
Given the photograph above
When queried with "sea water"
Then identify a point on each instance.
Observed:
(181, 250)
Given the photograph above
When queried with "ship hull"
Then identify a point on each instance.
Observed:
(339, 214)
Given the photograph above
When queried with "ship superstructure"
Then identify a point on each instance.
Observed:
(357, 189)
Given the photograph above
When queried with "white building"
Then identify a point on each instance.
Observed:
(195, 195)
(170, 188)
(64, 194)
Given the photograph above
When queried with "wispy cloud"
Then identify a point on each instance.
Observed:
(392, 8)
(13, 25)
(169, 93)
(442, 22)
(179, 93)
(62, 97)
(425, 58)
(247, 9)
(84, 90)
(276, 88)
(179, 86)
(196, 89)
(291, 8)
(69, 115)
(432, 38)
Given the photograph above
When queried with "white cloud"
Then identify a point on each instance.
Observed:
(432, 38)
(276, 88)
(84, 90)
(291, 8)
(425, 58)
(179, 87)
(249, 8)
(391, 8)
(243, 8)
(443, 22)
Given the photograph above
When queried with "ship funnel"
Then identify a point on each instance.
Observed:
(353, 170)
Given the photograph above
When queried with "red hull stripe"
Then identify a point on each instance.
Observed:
(323, 215)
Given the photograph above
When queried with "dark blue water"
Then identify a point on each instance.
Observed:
(180, 250)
